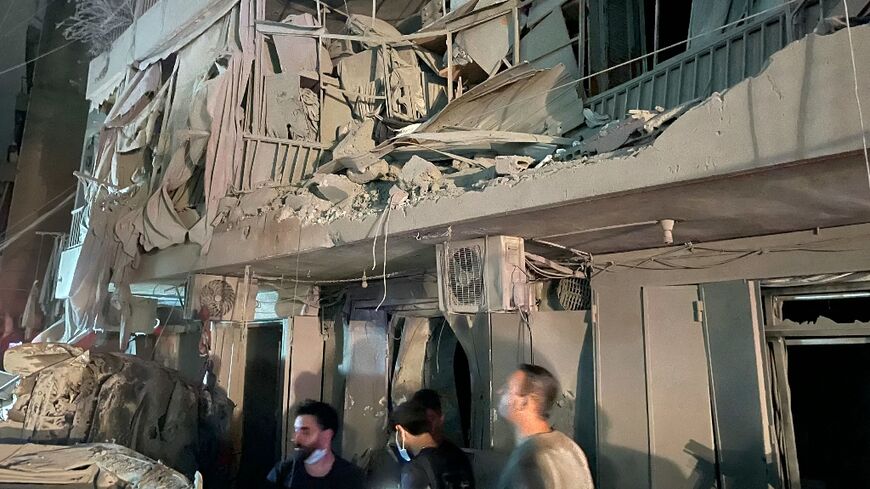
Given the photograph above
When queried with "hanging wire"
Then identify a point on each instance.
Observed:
(857, 96)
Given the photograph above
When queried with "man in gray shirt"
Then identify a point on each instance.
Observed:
(543, 458)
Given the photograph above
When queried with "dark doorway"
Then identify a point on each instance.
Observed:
(462, 377)
(261, 403)
(447, 372)
(830, 399)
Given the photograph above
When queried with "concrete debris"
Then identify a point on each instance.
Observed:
(398, 196)
(29, 358)
(254, 202)
(335, 188)
(100, 396)
(97, 465)
(614, 134)
(511, 165)
(362, 79)
(380, 170)
(640, 125)
(470, 177)
(358, 140)
(419, 175)
(299, 202)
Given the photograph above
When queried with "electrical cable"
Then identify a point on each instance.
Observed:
(386, 235)
(26, 218)
(668, 265)
(39, 11)
(51, 51)
(8, 241)
(35, 58)
(857, 94)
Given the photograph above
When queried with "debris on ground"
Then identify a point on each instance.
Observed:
(68, 396)
(97, 465)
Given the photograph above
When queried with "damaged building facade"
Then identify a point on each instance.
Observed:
(349, 201)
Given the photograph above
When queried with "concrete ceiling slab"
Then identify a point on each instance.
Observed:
(824, 193)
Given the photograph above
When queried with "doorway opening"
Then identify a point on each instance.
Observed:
(830, 396)
(448, 372)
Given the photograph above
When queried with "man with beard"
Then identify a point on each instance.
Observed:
(314, 465)
(543, 458)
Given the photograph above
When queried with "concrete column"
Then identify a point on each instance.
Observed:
(50, 152)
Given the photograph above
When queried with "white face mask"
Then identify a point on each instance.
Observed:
(316, 456)
(401, 446)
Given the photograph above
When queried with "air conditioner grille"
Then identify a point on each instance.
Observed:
(465, 276)
(574, 294)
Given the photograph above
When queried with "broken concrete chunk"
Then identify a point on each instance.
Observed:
(336, 188)
(358, 140)
(377, 171)
(253, 202)
(420, 174)
(397, 196)
(469, 177)
(612, 136)
(511, 165)
(304, 204)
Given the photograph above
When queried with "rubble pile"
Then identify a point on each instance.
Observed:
(403, 109)
(67, 396)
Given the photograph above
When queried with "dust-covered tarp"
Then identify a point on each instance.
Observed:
(108, 397)
(96, 465)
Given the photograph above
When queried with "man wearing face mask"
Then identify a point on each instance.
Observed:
(543, 458)
(434, 465)
(314, 464)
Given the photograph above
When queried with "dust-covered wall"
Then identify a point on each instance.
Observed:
(622, 365)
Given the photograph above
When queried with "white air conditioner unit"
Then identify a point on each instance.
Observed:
(483, 275)
(226, 298)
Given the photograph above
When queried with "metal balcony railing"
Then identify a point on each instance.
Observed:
(740, 52)
(76, 230)
(284, 161)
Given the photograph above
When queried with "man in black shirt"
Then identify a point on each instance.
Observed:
(435, 465)
(313, 464)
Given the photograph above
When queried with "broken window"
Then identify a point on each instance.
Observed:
(843, 308)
